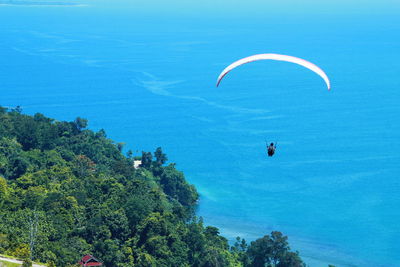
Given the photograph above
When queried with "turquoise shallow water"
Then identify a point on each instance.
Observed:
(333, 185)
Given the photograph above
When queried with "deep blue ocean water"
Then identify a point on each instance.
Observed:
(333, 185)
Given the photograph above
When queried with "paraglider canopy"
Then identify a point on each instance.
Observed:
(277, 57)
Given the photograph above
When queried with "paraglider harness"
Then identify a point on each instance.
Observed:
(271, 149)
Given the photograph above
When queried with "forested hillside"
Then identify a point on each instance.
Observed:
(66, 191)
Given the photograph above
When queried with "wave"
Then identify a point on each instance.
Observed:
(158, 87)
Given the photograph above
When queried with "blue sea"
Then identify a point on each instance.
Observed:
(333, 185)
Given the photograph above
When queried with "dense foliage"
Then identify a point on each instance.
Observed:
(66, 191)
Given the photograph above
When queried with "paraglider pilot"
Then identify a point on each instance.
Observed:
(271, 149)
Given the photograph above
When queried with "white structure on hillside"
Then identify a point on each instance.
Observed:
(137, 163)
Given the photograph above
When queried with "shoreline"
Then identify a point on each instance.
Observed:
(314, 253)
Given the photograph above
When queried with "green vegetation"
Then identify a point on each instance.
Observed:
(66, 191)
(8, 264)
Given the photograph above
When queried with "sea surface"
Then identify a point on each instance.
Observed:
(333, 185)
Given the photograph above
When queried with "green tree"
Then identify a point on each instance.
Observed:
(80, 123)
(4, 192)
(273, 250)
(161, 158)
(27, 263)
(239, 249)
(291, 259)
(3, 110)
(147, 159)
(83, 166)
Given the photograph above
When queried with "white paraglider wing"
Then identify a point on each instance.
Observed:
(277, 57)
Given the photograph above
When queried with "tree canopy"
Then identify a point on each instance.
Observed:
(67, 191)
